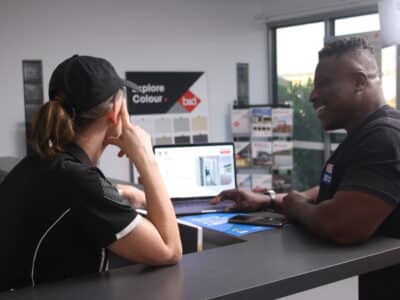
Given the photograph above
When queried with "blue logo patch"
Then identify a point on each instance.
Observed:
(327, 176)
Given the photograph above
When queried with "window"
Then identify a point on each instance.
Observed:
(296, 47)
(297, 56)
(358, 24)
(386, 57)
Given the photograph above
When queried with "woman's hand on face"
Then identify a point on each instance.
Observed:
(133, 141)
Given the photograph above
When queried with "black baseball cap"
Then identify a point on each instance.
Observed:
(86, 81)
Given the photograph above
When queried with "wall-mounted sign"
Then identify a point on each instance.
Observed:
(173, 107)
(164, 92)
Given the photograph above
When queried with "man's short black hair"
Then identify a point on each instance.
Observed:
(340, 46)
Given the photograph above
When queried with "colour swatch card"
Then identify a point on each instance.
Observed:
(219, 222)
(173, 128)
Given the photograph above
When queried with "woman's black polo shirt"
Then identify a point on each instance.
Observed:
(57, 218)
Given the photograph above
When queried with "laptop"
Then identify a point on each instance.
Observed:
(195, 173)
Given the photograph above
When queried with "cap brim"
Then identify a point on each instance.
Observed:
(131, 85)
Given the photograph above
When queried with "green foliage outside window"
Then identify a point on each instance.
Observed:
(307, 127)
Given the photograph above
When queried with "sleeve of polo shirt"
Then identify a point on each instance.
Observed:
(375, 167)
(103, 214)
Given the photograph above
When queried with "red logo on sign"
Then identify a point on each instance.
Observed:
(189, 101)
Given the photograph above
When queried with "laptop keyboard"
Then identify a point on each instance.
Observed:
(196, 206)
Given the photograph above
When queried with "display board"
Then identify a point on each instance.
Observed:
(171, 106)
(263, 147)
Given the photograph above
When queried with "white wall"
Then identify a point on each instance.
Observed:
(134, 35)
(210, 36)
(172, 35)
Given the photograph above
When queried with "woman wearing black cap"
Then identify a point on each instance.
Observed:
(62, 214)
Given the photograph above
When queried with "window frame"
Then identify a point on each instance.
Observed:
(329, 21)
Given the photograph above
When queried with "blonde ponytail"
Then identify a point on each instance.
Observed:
(52, 129)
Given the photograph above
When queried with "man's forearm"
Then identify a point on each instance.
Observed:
(321, 219)
(302, 212)
(311, 194)
(315, 217)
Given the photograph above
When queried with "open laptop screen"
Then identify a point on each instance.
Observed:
(197, 170)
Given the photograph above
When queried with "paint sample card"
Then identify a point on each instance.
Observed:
(163, 140)
(183, 139)
(199, 124)
(200, 139)
(181, 125)
(144, 123)
(163, 125)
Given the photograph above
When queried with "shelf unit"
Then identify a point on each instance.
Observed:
(264, 148)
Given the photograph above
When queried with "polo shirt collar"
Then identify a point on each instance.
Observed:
(77, 152)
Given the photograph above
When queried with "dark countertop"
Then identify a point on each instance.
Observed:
(267, 265)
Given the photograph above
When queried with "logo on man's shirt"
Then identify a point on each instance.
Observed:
(327, 175)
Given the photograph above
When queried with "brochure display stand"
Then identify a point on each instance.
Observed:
(263, 146)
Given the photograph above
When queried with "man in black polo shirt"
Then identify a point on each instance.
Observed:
(359, 191)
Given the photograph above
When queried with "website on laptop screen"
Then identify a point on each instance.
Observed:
(196, 171)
